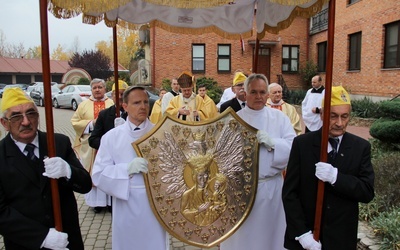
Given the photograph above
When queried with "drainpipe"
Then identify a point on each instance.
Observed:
(153, 59)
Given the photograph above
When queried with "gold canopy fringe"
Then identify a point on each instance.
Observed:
(92, 19)
(89, 5)
(199, 31)
(190, 4)
(289, 2)
(297, 12)
(61, 13)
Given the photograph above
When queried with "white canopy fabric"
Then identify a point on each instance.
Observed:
(232, 20)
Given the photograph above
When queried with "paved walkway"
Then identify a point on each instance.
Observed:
(96, 228)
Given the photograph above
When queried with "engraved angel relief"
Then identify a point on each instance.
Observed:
(202, 185)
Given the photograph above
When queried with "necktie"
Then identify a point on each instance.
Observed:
(30, 148)
(334, 143)
(243, 104)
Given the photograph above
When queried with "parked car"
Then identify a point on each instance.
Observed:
(151, 92)
(37, 93)
(2, 85)
(29, 89)
(19, 85)
(71, 96)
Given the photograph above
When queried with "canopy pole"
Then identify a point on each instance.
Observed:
(326, 112)
(49, 110)
(115, 51)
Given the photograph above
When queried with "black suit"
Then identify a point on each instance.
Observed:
(354, 184)
(233, 103)
(25, 197)
(104, 122)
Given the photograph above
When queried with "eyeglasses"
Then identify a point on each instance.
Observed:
(31, 115)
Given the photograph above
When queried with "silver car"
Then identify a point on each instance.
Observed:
(37, 94)
(71, 96)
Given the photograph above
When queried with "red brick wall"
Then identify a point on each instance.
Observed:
(369, 18)
(173, 54)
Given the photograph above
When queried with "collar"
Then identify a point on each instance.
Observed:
(269, 101)
(95, 100)
(22, 145)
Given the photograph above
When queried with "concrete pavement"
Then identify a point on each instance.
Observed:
(96, 228)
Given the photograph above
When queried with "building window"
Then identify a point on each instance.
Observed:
(224, 58)
(290, 58)
(198, 58)
(355, 51)
(353, 1)
(392, 45)
(322, 52)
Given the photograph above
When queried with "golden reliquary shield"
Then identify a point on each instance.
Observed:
(202, 177)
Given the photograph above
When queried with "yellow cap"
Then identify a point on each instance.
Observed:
(239, 78)
(339, 96)
(121, 85)
(13, 97)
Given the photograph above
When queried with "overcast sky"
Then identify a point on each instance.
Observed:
(20, 22)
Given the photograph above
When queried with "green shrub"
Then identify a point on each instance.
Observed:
(166, 84)
(386, 130)
(368, 211)
(387, 224)
(308, 71)
(295, 97)
(83, 81)
(391, 108)
(213, 90)
(365, 108)
(387, 178)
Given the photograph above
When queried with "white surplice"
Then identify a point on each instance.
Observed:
(265, 226)
(312, 120)
(134, 225)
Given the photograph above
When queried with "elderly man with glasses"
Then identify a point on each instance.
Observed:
(26, 212)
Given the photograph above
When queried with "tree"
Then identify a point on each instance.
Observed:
(126, 46)
(34, 53)
(96, 63)
(60, 54)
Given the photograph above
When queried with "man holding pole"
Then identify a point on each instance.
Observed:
(348, 177)
(26, 210)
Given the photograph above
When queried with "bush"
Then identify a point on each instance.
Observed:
(83, 81)
(387, 178)
(387, 224)
(166, 84)
(391, 108)
(368, 211)
(213, 90)
(295, 97)
(365, 108)
(386, 130)
(308, 71)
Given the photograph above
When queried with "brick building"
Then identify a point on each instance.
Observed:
(364, 61)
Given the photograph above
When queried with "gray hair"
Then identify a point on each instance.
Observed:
(97, 80)
(273, 85)
(253, 77)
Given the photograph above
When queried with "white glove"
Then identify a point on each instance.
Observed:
(55, 168)
(307, 241)
(137, 165)
(326, 172)
(263, 138)
(55, 240)
(118, 121)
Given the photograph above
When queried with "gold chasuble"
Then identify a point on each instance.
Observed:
(194, 102)
(87, 111)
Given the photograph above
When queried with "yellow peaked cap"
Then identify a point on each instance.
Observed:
(121, 85)
(13, 97)
(239, 78)
(339, 96)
